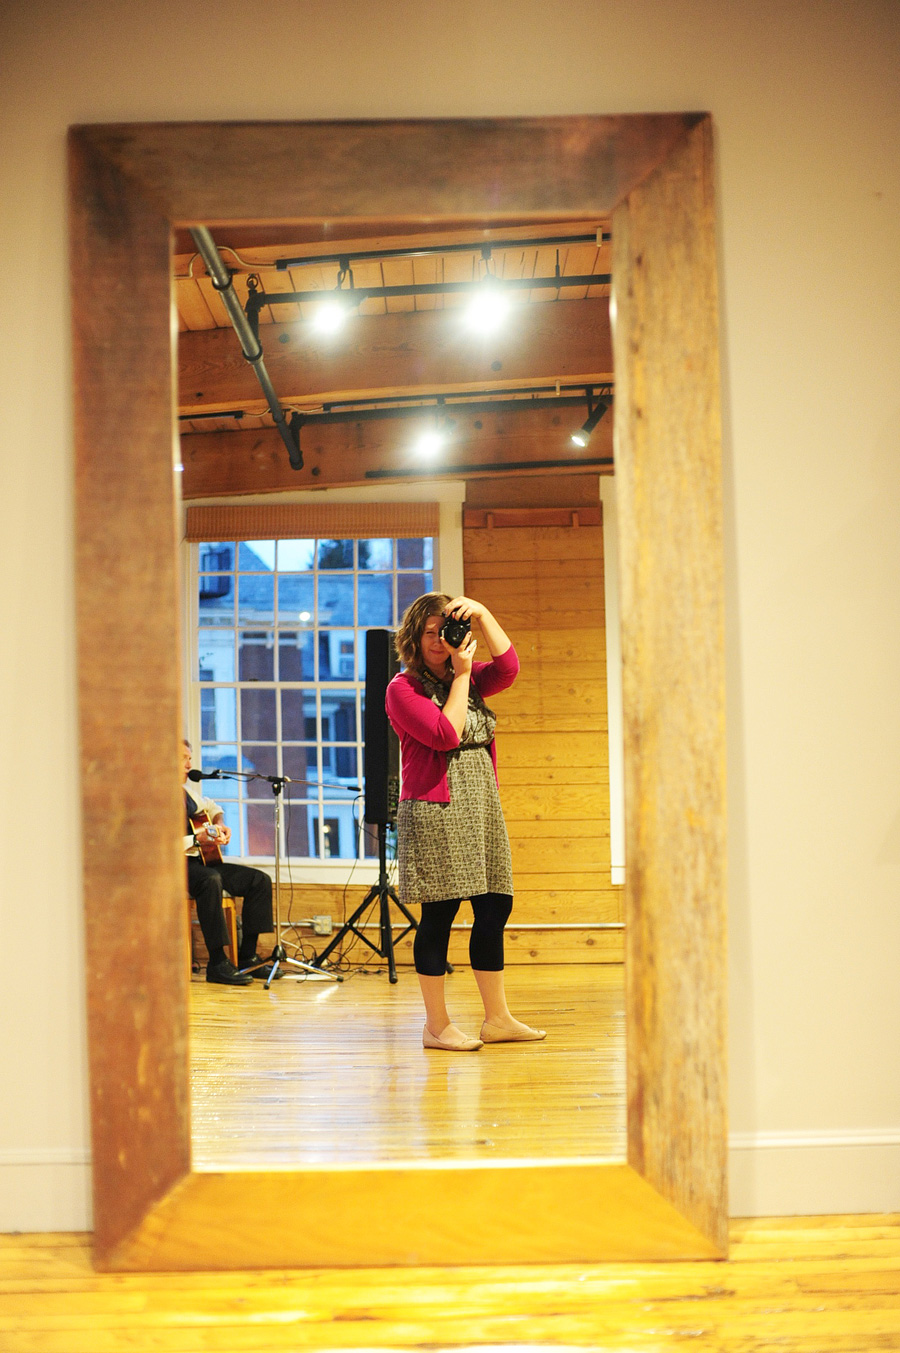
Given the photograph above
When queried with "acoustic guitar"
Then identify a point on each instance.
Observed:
(209, 850)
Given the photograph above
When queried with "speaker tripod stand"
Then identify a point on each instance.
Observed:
(384, 894)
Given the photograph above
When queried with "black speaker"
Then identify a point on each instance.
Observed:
(381, 754)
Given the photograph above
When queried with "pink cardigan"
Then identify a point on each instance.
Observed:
(426, 734)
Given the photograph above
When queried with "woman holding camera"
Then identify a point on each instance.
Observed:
(451, 834)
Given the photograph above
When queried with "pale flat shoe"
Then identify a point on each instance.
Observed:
(495, 1033)
(467, 1045)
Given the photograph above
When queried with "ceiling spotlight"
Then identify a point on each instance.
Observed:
(430, 443)
(487, 309)
(329, 317)
(332, 314)
(583, 435)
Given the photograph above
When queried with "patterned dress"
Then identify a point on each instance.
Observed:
(460, 848)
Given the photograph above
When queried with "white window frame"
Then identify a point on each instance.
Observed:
(448, 577)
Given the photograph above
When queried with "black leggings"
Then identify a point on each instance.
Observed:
(491, 912)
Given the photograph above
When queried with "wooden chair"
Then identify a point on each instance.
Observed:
(229, 910)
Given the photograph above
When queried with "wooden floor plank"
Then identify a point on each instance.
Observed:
(843, 1299)
(311, 1072)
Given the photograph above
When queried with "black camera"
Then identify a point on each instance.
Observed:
(454, 632)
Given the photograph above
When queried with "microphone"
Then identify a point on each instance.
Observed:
(204, 775)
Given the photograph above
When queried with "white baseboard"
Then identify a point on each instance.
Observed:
(777, 1174)
(772, 1174)
(45, 1189)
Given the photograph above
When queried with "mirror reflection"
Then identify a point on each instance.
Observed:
(444, 387)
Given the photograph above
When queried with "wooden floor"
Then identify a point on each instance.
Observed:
(802, 1285)
(312, 1071)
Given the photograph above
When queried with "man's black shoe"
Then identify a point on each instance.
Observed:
(227, 975)
(262, 972)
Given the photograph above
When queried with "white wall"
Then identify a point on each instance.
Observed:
(805, 99)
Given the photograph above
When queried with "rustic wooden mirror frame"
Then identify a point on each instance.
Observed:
(130, 185)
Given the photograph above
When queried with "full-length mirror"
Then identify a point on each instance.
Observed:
(456, 382)
(649, 179)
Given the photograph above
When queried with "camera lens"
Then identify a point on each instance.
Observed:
(454, 631)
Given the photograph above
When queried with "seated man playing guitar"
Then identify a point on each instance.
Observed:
(207, 874)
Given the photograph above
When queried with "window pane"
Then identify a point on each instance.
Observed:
(258, 715)
(376, 600)
(300, 767)
(296, 555)
(256, 655)
(260, 828)
(219, 757)
(410, 586)
(376, 554)
(370, 842)
(262, 760)
(215, 556)
(335, 554)
(216, 599)
(256, 556)
(296, 826)
(336, 601)
(415, 553)
(232, 815)
(336, 659)
(218, 715)
(298, 716)
(331, 837)
(215, 655)
(256, 599)
(339, 716)
(342, 766)
(296, 599)
(295, 656)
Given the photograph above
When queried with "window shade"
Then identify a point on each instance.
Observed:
(300, 521)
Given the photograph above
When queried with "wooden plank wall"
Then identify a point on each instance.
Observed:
(533, 552)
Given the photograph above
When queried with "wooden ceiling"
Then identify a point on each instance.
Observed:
(413, 347)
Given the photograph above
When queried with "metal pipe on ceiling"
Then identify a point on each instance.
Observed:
(597, 237)
(250, 344)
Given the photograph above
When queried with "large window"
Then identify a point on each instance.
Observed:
(279, 665)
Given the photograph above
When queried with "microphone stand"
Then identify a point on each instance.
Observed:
(278, 957)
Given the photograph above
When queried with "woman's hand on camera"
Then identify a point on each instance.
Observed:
(461, 658)
(496, 638)
(464, 608)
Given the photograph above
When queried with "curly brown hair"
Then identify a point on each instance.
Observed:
(408, 639)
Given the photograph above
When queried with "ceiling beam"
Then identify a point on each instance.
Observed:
(221, 463)
(397, 354)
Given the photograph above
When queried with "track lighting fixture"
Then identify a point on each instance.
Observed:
(489, 305)
(429, 443)
(583, 435)
(435, 437)
(331, 315)
(487, 309)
